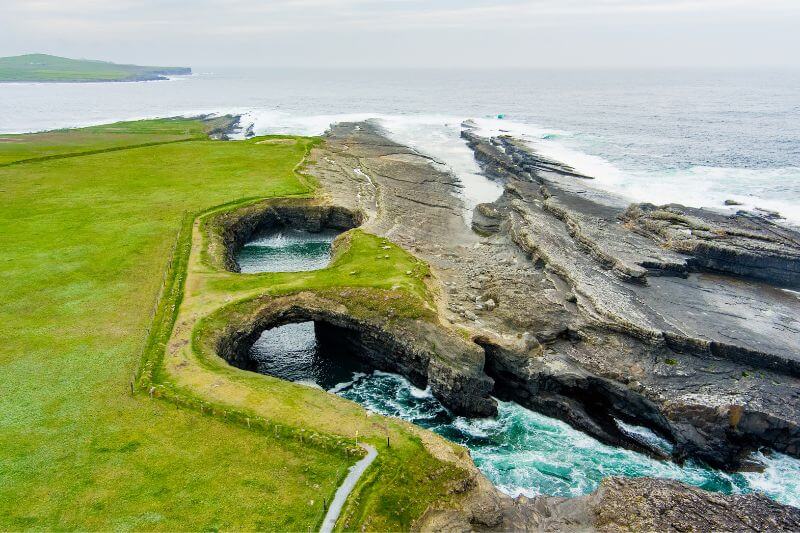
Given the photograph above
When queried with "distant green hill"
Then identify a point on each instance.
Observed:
(47, 68)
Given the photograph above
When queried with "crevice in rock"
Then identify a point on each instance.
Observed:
(587, 402)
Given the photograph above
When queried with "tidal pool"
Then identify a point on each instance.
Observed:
(286, 250)
(520, 451)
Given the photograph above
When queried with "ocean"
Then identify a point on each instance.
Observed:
(697, 137)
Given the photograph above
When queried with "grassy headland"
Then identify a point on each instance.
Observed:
(47, 68)
(84, 242)
(96, 224)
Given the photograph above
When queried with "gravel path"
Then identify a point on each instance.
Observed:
(346, 488)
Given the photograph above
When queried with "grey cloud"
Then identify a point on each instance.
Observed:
(409, 32)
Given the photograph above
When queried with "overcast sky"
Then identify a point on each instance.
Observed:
(409, 33)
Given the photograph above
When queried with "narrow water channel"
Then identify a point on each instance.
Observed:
(520, 451)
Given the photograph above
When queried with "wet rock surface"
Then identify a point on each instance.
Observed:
(586, 310)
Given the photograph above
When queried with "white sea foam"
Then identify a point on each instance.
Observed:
(309, 383)
(796, 294)
(438, 136)
(418, 393)
(524, 452)
(645, 435)
(339, 387)
(780, 479)
(477, 427)
(393, 375)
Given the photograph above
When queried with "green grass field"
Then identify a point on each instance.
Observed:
(48, 68)
(83, 245)
(16, 149)
(88, 227)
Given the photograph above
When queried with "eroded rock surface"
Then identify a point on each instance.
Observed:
(589, 311)
(429, 356)
(743, 244)
(619, 504)
(581, 316)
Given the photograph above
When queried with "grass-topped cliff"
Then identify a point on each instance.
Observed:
(47, 68)
(98, 225)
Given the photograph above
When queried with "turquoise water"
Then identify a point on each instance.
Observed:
(520, 451)
(286, 250)
(523, 452)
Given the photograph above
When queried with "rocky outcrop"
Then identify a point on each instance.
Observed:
(618, 505)
(587, 317)
(661, 505)
(694, 341)
(517, 157)
(743, 244)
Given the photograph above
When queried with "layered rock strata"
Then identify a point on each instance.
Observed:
(712, 348)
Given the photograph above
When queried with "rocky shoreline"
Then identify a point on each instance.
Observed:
(714, 351)
(591, 310)
(619, 504)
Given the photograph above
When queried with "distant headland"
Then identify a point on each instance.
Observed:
(54, 69)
